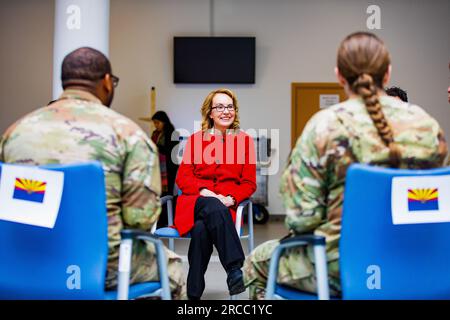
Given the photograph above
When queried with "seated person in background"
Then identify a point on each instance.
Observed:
(370, 127)
(217, 172)
(80, 127)
(398, 93)
(162, 137)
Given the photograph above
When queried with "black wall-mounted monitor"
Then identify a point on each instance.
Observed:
(214, 59)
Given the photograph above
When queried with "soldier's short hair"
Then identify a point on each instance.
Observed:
(85, 63)
(397, 92)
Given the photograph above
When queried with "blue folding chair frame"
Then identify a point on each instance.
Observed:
(413, 259)
(160, 288)
(36, 262)
(275, 291)
(172, 234)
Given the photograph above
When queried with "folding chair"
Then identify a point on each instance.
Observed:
(69, 260)
(395, 238)
(172, 234)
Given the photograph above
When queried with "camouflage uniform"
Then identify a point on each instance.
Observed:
(312, 184)
(78, 128)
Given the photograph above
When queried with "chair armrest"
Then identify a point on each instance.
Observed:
(125, 255)
(318, 243)
(169, 201)
(239, 211)
(305, 238)
(244, 203)
(165, 199)
(139, 234)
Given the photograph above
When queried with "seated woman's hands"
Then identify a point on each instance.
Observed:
(226, 200)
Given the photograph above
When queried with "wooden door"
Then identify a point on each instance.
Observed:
(307, 99)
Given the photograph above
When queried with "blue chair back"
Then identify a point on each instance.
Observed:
(411, 261)
(40, 263)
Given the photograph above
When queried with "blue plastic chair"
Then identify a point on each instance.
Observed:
(411, 261)
(282, 292)
(37, 262)
(172, 234)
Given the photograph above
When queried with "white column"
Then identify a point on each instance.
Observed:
(78, 23)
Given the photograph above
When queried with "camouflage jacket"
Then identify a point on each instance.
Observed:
(312, 185)
(78, 128)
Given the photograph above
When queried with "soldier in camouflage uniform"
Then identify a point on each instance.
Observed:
(78, 127)
(370, 128)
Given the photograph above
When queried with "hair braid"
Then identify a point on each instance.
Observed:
(365, 87)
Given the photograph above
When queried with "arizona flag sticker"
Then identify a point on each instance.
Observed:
(29, 190)
(30, 195)
(423, 199)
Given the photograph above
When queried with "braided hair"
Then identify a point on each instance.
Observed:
(363, 61)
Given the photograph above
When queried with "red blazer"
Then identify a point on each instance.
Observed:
(224, 165)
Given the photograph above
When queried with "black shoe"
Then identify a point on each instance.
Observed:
(235, 282)
(193, 298)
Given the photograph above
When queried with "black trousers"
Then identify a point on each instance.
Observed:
(213, 226)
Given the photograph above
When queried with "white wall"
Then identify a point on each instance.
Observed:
(296, 41)
(26, 51)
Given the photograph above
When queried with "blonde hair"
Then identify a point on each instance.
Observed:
(207, 122)
(363, 61)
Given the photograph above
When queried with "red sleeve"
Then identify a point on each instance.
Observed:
(186, 180)
(248, 178)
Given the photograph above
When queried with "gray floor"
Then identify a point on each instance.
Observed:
(215, 278)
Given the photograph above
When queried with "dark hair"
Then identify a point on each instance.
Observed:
(168, 126)
(363, 61)
(397, 92)
(85, 63)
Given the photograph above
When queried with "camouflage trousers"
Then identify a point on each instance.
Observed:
(295, 270)
(144, 268)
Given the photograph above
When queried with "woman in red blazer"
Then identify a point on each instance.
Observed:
(217, 172)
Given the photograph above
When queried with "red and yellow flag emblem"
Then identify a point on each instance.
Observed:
(29, 190)
(423, 199)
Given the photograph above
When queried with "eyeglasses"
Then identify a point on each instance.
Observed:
(115, 80)
(221, 108)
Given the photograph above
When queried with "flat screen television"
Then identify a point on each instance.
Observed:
(214, 59)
